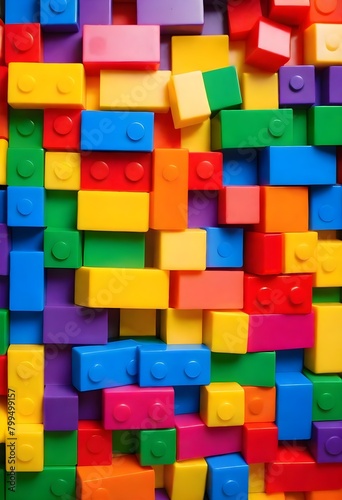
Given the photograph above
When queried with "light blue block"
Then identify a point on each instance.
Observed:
(26, 327)
(59, 15)
(325, 207)
(21, 11)
(187, 399)
(26, 290)
(227, 477)
(289, 360)
(25, 206)
(240, 167)
(224, 247)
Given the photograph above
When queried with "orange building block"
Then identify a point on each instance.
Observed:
(324, 495)
(260, 404)
(165, 134)
(283, 209)
(324, 11)
(169, 196)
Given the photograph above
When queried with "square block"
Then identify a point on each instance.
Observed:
(25, 167)
(187, 399)
(322, 44)
(94, 444)
(26, 327)
(205, 170)
(326, 441)
(259, 91)
(199, 53)
(186, 478)
(180, 250)
(240, 167)
(56, 16)
(242, 16)
(331, 92)
(222, 404)
(27, 288)
(23, 43)
(263, 253)
(225, 331)
(62, 248)
(157, 447)
(61, 209)
(325, 207)
(260, 442)
(324, 12)
(136, 322)
(196, 138)
(63, 171)
(329, 264)
(60, 448)
(239, 205)
(181, 326)
(259, 404)
(224, 247)
(25, 128)
(57, 398)
(25, 206)
(299, 252)
(27, 448)
(227, 476)
(297, 86)
(223, 88)
(318, 117)
(62, 129)
(327, 400)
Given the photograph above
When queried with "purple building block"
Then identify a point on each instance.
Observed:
(215, 20)
(90, 405)
(60, 408)
(57, 365)
(331, 86)
(165, 52)
(202, 209)
(161, 495)
(175, 17)
(5, 247)
(4, 292)
(95, 13)
(326, 442)
(297, 86)
(60, 285)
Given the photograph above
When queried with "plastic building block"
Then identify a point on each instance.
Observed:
(331, 94)
(3, 204)
(274, 496)
(26, 327)
(25, 452)
(169, 196)
(5, 247)
(4, 331)
(90, 405)
(62, 248)
(260, 442)
(226, 331)
(61, 209)
(157, 447)
(42, 85)
(318, 117)
(61, 129)
(206, 289)
(136, 322)
(326, 396)
(239, 205)
(107, 249)
(260, 90)
(23, 43)
(259, 404)
(138, 408)
(94, 444)
(196, 138)
(202, 208)
(325, 207)
(126, 442)
(3, 100)
(63, 48)
(187, 399)
(321, 44)
(263, 253)
(3, 157)
(25, 128)
(241, 17)
(283, 209)
(217, 82)
(227, 476)
(62, 171)
(222, 404)
(135, 90)
(173, 17)
(199, 53)
(3, 376)
(26, 291)
(115, 131)
(329, 270)
(179, 326)
(328, 294)
(186, 478)
(297, 86)
(205, 171)
(121, 47)
(292, 12)
(55, 398)
(325, 443)
(257, 369)
(25, 206)
(181, 250)
(252, 128)
(27, 239)
(58, 364)
(323, 494)
(324, 12)
(25, 167)
(256, 482)
(60, 448)
(165, 134)
(59, 16)
(101, 15)
(16, 14)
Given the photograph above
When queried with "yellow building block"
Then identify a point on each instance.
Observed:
(226, 331)
(197, 138)
(5, 422)
(180, 250)
(158, 475)
(113, 211)
(237, 57)
(266, 496)
(186, 480)
(323, 44)
(329, 263)
(256, 478)
(92, 93)
(299, 252)
(259, 91)
(122, 288)
(25, 452)
(188, 99)
(26, 380)
(181, 326)
(326, 354)
(46, 85)
(222, 404)
(137, 322)
(63, 171)
(199, 53)
(135, 90)
(3, 161)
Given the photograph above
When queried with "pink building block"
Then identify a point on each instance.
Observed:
(239, 205)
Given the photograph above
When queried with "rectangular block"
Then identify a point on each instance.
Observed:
(257, 369)
(318, 117)
(199, 53)
(231, 469)
(114, 249)
(88, 432)
(179, 250)
(59, 20)
(27, 12)
(316, 50)
(172, 16)
(181, 326)
(27, 290)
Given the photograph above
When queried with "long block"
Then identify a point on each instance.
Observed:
(27, 288)
(257, 369)
(199, 53)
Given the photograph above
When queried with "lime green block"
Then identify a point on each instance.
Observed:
(157, 447)
(60, 448)
(257, 368)
(61, 209)
(327, 396)
(25, 128)
(250, 128)
(325, 125)
(300, 133)
(62, 248)
(126, 442)
(114, 249)
(25, 167)
(325, 295)
(223, 88)
(4, 331)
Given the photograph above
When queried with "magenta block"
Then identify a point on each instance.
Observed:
(326, 441)
(176, 17)
(57, 365)
(331, 86)
(90, 405)
(202, 209)
(60, 408)
(5, 247)
(275, 332)
(297, 86)
(4, 292)
(196, 440)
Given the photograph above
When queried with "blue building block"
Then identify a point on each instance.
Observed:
(227, 477)
(224, 247)
(187, 399)
(289, 360)
(28, 238)
(25, 206)
(325, 207)
(3, 206)
(21, 11)
(240, 167)
(26, 290)
(167, 365)
(26, 327)
(111, 365)
(297, 166)
(117, 131)
(294, 406)
(59, 15)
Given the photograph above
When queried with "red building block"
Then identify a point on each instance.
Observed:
(94, 446)
(263, 253)
(62, 129)
(239, 205)
(165, 134)
(284, 294)
(3, 103)
(241, 17)
(205, 171)
(259, 442)
(23, 43)
(268, 45)
(2, 42)
(324, 11)
(292, 12)
(3, 376)
(116, 172)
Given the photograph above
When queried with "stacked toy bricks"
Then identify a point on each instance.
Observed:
(170, 255)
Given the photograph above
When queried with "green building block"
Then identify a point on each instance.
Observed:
(326, 295)
(246, 369)
(2, 483)
(50, 484)
(300, 123)
(325, 125)
(114, 249)
(327, 396)
(25, 167)
(25, 128)
(157, 447)
(61, 209)
(62, 248)
(60, 448)
(126, 442)
(223, 88)
(248, 128)
(4, 331)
